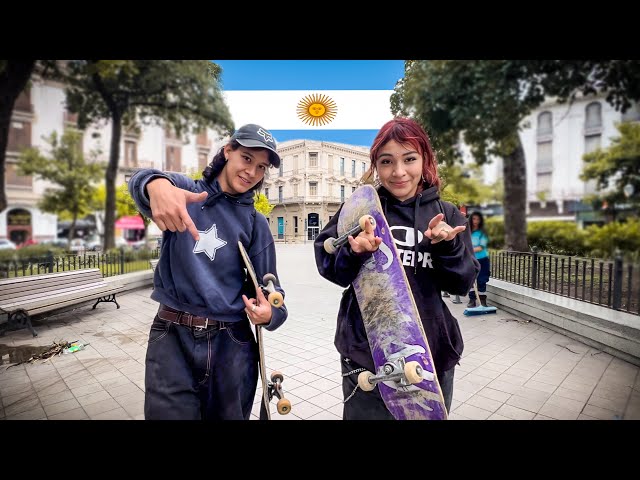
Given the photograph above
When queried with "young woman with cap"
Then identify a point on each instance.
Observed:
(202, 358)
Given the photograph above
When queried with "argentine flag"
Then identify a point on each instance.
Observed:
(343, 101)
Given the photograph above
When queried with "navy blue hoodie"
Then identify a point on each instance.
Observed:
(206, 278)
(447, 266)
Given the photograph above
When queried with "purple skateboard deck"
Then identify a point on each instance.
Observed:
(391, 318)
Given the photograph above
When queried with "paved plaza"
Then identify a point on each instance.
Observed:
(511, 368)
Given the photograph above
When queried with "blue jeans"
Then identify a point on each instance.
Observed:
(208, 374)
(369, 405)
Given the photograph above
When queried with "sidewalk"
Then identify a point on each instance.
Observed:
(510, 369)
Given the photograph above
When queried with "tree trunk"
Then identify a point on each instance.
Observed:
(110, 181)
(515, 198)
(12, 82)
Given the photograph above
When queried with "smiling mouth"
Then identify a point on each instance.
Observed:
(244, 180)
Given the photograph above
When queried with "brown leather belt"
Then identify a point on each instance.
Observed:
(183, 318)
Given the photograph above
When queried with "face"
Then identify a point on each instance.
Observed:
(475, 221)
(244, 168)
(399, 169)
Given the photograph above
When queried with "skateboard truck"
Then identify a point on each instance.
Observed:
(401, 372)
(274, 388)
(331, 243)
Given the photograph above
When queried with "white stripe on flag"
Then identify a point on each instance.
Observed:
(277, 109)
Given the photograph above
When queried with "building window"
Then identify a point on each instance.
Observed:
(280, 197)
(295, 190)
(353, 168)
(173, 159)
(15, 180)
(545, 124)
(130, 154)
(342, 193)
(544, 166)
(202, 161)
(281, 169)
(364, 167)
(313, 159)
(342, 166)
(313, 188)
(593, 119)
(295, 225)
(19, 136)
(330, 161)
(295, 164)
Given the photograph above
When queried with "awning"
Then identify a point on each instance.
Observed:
(130, 223)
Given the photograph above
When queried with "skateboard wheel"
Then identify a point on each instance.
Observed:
(364, 383)
(277, 376)
(413, 372)
(275, 299)
(363, 221)
(284, 406)
(328, 245)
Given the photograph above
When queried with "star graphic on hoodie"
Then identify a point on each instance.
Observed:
(209, 242)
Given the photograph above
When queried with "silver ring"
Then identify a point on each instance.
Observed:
(253, 309)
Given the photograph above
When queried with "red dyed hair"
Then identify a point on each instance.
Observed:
(407, 131)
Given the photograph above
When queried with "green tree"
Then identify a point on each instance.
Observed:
(74, 178)
(483, 104)
(181, 94)
(14, 77)
(465, 188)
(618, 164)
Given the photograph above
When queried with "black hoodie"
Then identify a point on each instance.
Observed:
(448, 266)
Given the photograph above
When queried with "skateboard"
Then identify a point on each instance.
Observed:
(273, 386)
(405, 373)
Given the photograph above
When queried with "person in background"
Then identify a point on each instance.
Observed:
(480, 241)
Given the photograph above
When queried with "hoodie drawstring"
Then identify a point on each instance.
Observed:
(415, 233)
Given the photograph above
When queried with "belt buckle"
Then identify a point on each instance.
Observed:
(206, 324)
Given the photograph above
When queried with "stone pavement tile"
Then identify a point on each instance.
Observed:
(632, 412)
(17, 405)
(574, 394)
(57, 385)
(36, 413)
(98, 396)
(325, 415)
(17, 389)
(101, 406)
(117, 414)
(472, 412)
(305, 392)
(456, 416)
(557, 412)
(503, 386)
(542, 417)
(86, 389)
(324, 401)
(610, 399)
(61, 407)
(492, 393)
(566, 403)
(75, 414)
(515, 413)
(56, 397)
(495, 416)
(484, 403)
(513, 379)
(601, 413)
(525, 403)
(542, 386)
(305, 410)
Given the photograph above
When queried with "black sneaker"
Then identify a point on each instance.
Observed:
(471, 304)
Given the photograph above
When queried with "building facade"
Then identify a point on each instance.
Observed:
(314, 178)
(555, 137)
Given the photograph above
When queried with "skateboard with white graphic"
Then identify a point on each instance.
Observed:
(404, 370)
(272, 387)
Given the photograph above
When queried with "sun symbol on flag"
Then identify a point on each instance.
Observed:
(317, 109)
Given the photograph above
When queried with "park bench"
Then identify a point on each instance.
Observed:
(23, 297)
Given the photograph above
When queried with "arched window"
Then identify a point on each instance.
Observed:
(593, 116)
(545, 124)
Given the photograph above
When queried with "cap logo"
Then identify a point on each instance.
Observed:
(266, 135)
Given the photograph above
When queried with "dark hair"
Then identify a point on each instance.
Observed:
(218, 162)
(406, 130)
(481, 224)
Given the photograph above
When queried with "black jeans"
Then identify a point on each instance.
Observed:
(369, 405)
(208, 374)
